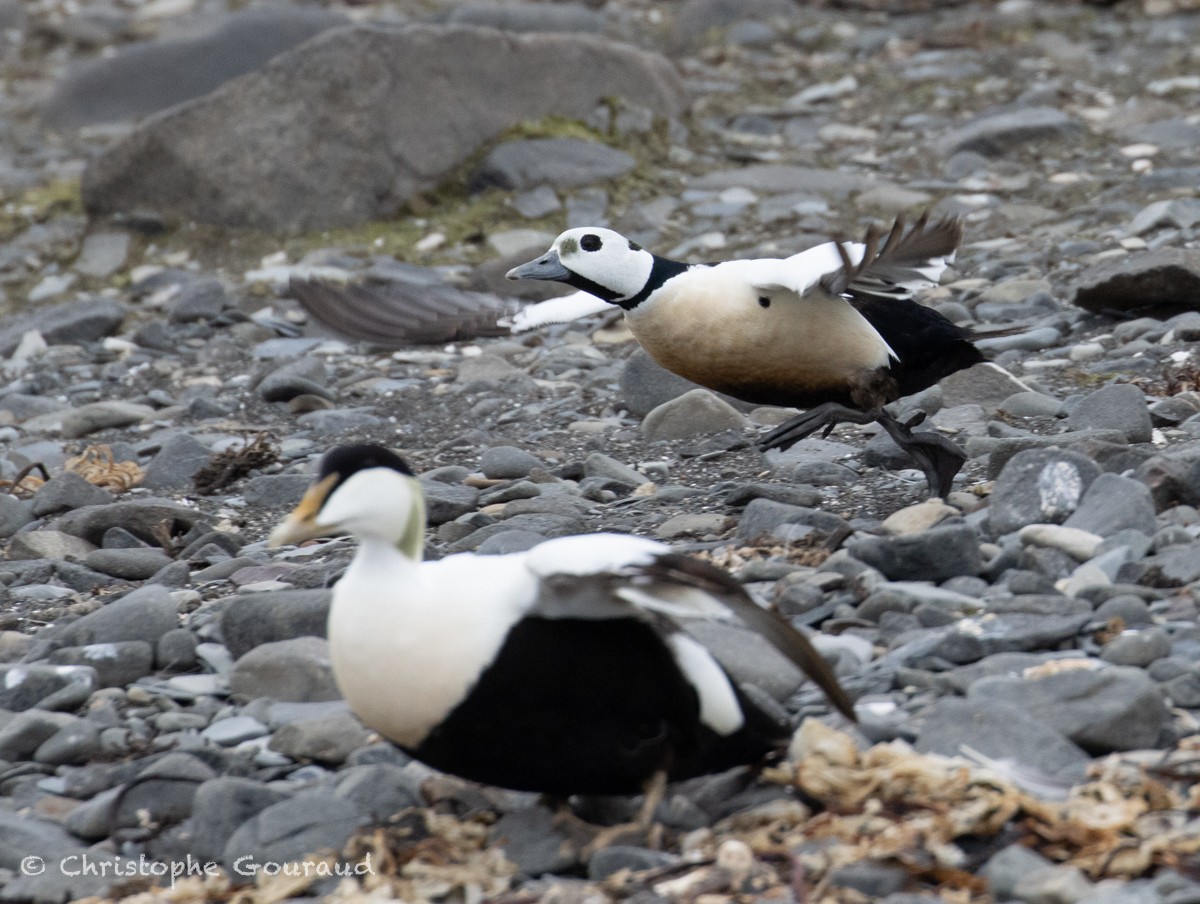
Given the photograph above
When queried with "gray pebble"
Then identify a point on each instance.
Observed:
(508, 462)
(252, 619)
(178, 460)
(144, 614)
(176, 650)
(234, 730)
(48, 544)
(288, 830)
(198, 300)
(67, 491)
(694, 413)
(130, 564)
(1102, 710)
(327, 740)
(935, 554)
(296, 670)
(116, 663)
(1001, 730)
(220, 806)
(1113, 503)
(1137, 648)
(1039, 486)
(275, 491)
(1120, 406)
(75, 744)
(25, 732)
(447, 501)
(45, 686)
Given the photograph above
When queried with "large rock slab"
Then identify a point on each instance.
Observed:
(352, 124)
(144, 78)
(1166, 278)
(81, 320)
(1101, 710)
(252, 619)
(998, 133)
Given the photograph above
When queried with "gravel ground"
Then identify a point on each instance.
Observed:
(1025, 653)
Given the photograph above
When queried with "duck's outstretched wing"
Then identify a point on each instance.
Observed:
(602, 576)
(896, 265)
(399, 314)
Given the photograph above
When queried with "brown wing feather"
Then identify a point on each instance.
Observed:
(790, 642)
(398, 315)
(886, 266)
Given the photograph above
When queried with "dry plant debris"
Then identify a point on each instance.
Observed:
(26, 483)
(1137, 812)
(235, 463)
(95, 464)
(809, 551)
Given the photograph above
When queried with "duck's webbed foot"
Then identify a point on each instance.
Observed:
(938, 457)
(827, 416)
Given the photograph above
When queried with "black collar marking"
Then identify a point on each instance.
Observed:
(592, 288)
(662, 270)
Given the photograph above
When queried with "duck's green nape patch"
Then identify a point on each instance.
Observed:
(412, 544)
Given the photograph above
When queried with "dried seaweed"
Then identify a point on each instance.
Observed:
(95, 464)
(26, 483)
(1136, 813)
(235, 463)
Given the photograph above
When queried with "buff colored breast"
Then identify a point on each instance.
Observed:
(714, 331)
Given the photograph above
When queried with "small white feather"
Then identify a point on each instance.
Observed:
(556, 310)
(719, 708)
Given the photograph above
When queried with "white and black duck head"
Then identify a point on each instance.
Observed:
(364, 490)
(603, 263)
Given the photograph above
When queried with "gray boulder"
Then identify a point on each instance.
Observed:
(357, 121)
(69, 322)
(1164, 278)
(998, 133)
(144, 78)
(252, 619)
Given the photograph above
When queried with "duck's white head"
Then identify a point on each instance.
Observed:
(598, 261)
(364, 490)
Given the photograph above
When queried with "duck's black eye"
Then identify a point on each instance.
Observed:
(763, 301)
(590, 242)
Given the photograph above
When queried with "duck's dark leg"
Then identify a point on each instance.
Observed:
(827, 415)
(937, 456)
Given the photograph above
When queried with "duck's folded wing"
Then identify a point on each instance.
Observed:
(603, 576)
(721, 589)
(398, 314)
(898, 265)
